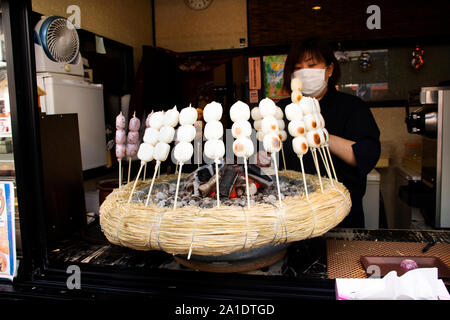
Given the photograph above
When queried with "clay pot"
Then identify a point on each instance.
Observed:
(105, 187)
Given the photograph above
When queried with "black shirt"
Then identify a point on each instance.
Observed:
(348, 117)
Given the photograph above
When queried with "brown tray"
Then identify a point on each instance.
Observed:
(392, 263)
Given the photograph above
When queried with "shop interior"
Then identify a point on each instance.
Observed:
(140, 56)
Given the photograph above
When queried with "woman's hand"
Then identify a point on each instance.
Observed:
(342, 148)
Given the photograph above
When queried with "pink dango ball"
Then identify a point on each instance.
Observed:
(408, 264)
(120, 136)
(120, 151)
(120, 122)
(133, 137)
(135, 124)
(132, 150)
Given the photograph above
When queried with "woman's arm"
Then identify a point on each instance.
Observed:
(342, 148)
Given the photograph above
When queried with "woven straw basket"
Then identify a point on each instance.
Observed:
(224, 230)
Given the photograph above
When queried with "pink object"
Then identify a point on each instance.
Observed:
(120, 122)
(120, 137)
(132, 150)
(263, 159)
(147, 121)
(408, 264)
(120, 151)
(133, 137)
(135, 124)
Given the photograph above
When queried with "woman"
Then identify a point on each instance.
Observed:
(354, 135)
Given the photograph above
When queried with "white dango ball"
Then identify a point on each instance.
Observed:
(243, 147)
(183, 151)
(279, 115)
(316, 105)
(321, 120)
(166, 134)
(260, 135)
(188, 116)
(296, 128)
(310, 122)
(307, 106)
(322, 137)
(296, 97)
(151, 136)
(300, 145)
(157, 120)
(214, 149)
(281, 124)
(241, 128)
(257, 125)
(212, 112)
(272, 142)
(186, 133)
(293, 112)
(296, 84)
(171, 117)
(282, 135)
(239, 111)
(161, 151)
(145, 152)
(313, 139)
(267, 107)
(256, 114)
(213, 130)
(326, 134)
(269, 125)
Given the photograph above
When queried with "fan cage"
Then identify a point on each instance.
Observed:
(62, 40)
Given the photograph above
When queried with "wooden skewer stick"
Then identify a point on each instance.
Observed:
(159, 171)
(276, 175)
(176, 168)
(198, 154)
(217, 182)
(120, 174)
(317, 167)
(135, 182)
(176, 190)
(282, 154)
(153, 181)
(129, 169)
(246, 182)
(145, 169)
(331, 161)
(327, 168)
(304, 178)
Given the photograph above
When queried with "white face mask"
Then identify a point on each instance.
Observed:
(313, 80)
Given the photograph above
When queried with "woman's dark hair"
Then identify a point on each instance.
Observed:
(320, 50)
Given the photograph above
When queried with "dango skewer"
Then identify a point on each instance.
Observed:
(132, 140)
(184, 150)
(241, 131)
(120, 143)
(214, 147)
(300, 147)
(313, 140)
(145, 154)
(147, 124)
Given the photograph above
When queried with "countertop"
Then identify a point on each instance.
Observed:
(110, 271)
(304, 259)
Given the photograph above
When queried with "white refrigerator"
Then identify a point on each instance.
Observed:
(72, 94)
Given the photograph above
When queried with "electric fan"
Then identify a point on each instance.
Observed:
(57, 46)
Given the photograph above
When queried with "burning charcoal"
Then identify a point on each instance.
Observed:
(228, 180)
(204, 173)
(257, 174)
(209, 187)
